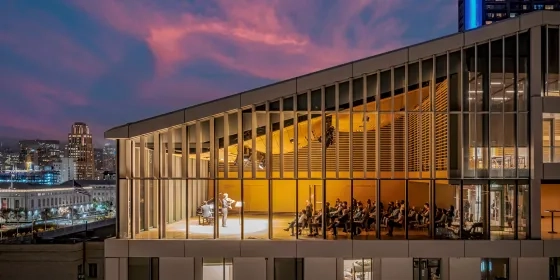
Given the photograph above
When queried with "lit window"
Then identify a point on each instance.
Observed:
(217, 269)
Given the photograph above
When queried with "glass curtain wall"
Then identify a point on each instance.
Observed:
(435, 148)
(551, 60)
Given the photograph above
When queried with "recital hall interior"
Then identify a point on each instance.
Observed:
(433, 149)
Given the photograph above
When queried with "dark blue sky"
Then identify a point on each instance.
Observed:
(108, 62)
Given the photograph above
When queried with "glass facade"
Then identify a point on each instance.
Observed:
(476, 13)
(551, 60)
(217, 269)
(437, 148)
(494, 268)
(554, 269)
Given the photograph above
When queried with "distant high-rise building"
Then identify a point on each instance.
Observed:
(39, 152)
(66, 168)
(8, 158)
(98, 158)
(98, 161)
(80, 148)
(476, 13)
(109, 154)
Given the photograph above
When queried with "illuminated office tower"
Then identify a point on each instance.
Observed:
(41, 152)
(476, 13)
(325, 173)
(80, 148)
(109, 157)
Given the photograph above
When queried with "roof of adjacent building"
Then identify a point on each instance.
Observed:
(338, 73)
(68, 184)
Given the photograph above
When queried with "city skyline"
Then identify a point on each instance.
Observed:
(98, 64)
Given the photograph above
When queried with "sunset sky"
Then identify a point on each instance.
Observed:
(108, 62)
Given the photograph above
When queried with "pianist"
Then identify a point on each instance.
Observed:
(206, 210)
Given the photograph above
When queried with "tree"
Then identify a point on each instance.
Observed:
(46, 214)
(74, 213)
(5, 214)
(20, 214)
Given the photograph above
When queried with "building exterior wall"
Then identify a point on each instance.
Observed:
(461, 128)
(33, 201)
(67, 169)
(52, 261)
(526, 259)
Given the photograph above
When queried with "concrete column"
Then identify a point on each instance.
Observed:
(535, 118)
(269, 269)
(339, 265)
(249, 268)
(184, 172)
(376, 268)
(136, 185)
(176, 269)
(198, 137)
(512, 269)
(112, 269)
(225, 158)
(145, 184)
(156, 162)
(123, 269)
(464, 269)
(124, 174)
(396, 269)
(532, 269)
(198, 269)
(320, 269)
(444, 268)
(170, 203)
(124, 158)
(184, 152)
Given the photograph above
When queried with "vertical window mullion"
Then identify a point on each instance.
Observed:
(545, 89)
(392, 112)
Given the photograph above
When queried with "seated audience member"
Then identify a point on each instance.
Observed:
(395, 222)
(412, 213)
(395, 212)
(358, 219)
(441, 218)
(340, 222)
(300, 222)
(337, 203)
(369, 204)
(315, 223)
(390, 209)
(369, 218)
(308, 210)
(424, 214)
(450, 215)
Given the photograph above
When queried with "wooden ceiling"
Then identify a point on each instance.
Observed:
(344, 124)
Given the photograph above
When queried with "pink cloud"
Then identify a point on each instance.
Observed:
(260, 38)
